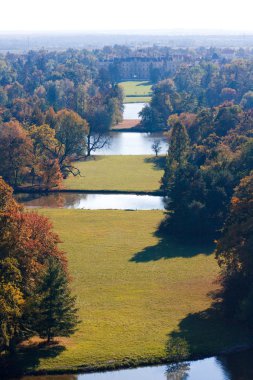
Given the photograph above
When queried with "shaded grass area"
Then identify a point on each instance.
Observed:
(136, 91)
(121, 173)
(133, 311)
(205, 334)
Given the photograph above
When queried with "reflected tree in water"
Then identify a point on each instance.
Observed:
(177, 371)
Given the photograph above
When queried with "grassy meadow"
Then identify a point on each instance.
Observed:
(136, 91)
(120, 173)
(135, 292)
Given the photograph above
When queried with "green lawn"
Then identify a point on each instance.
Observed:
(124, 173)
(136, 91)
(134, 292)
(139, 99)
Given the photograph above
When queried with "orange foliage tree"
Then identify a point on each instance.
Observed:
(234, 253)
(27, 242)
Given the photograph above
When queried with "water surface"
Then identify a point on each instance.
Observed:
(92, 201)
(131, 110)
(133, 143)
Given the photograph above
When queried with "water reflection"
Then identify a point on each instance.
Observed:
(131, 110)
(133, 143)
(233, 367)
(92, 201)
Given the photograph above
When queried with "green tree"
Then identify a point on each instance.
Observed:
(57, 314)
(179, 141)
(178, 150)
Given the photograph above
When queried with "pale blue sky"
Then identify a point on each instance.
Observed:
(107, 15)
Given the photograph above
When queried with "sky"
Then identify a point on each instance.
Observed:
(131, 15)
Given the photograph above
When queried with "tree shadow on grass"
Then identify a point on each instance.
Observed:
(158, 162)
(27, 359)
(206, 334)
(169, 248)
(144, 84)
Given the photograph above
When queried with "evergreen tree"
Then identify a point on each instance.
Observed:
(56, 312)
(178, 150)
(179, 142)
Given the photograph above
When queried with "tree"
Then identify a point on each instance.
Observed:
(57, 315)
(11, 303)
(29, 248)
(179, 141)
(156, 147)
(71, 132)
(178, 150)
(234, 254)
(15, 153)
(247, 100)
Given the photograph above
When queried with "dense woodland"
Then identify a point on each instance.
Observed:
(208, 114)
(54, 108)
(195, 87)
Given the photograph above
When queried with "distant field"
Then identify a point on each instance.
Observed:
(139, 99)
(136, 91)
(132, 288)
(125, 173)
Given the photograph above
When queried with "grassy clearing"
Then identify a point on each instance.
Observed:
(134, 292)
(121, 173)
(136, 91)
(139, 99)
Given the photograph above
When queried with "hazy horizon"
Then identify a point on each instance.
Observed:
(152, 32)
(131, 17)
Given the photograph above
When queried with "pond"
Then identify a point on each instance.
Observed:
(133, 143)
(131, 110)
(92, 201)
(231, 367)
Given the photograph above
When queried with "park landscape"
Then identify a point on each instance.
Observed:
(149, 286)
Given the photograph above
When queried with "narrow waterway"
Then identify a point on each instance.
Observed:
(92, 201)
(133, 143)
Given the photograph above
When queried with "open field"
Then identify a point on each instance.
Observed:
(138, 99)
(121, 173)
(136, 91)
(135, 292)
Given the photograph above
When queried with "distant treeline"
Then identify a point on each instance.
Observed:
(199, 86)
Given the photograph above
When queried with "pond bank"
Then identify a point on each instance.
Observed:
(126, 369)
(32, 190)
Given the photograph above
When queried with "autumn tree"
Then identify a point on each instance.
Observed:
(15, 152)
(27, 247)
(234, 254)
(11, 304)
(47, 152)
